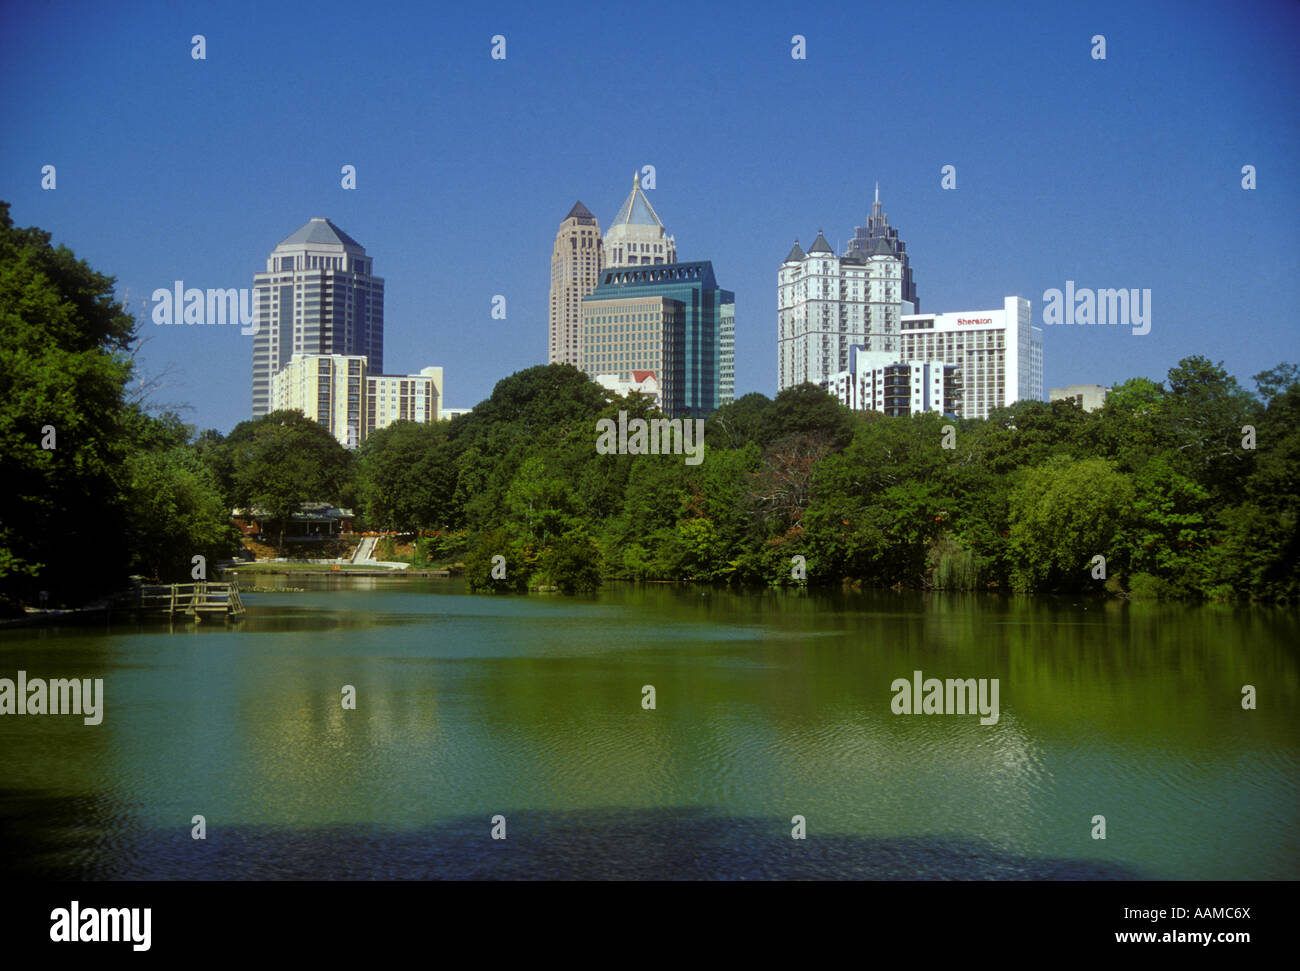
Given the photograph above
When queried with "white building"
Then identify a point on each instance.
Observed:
(336, 391)
(998, 353)
(646, 382)
(637, 237)
(826, 305)
(447, 414)
(878, 381)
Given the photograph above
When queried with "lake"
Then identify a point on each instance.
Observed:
(767, 706)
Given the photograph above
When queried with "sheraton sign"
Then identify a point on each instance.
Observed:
(974, 320)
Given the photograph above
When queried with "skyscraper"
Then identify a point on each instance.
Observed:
(576, 262)
(826, 305)
(637, 237)
(317, 296)
(867, 240)
(673, 320)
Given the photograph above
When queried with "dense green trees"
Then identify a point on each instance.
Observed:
(92, 488)
(406, 476)
(1161, 482)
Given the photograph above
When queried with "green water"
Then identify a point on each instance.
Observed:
(768, 705)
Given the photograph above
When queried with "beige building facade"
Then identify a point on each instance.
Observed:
(337, 391)
(576, 262)
(626, 335)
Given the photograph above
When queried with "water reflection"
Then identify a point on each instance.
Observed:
(768, 705)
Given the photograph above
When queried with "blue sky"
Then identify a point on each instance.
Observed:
(1117, 173)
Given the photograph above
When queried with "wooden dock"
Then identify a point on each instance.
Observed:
(197, 600)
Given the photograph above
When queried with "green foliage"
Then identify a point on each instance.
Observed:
(1063, 514)
(439, 548)
(572, 565)
(278, 462)
(952, 566)
(480, 564)
(118, 490)
(407, 477)
(175, 512)
(1275, 381)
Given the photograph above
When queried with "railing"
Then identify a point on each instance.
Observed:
(204, 597)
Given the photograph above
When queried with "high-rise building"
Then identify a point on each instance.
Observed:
(318, 295)
(878, 381)
(340, 392)
(727, 354)
(576, 262)
(877, 236)
(637, 237)
(998, 353)
(671, 319)
(826, 305)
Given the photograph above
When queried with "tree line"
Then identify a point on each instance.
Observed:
(1188, 488)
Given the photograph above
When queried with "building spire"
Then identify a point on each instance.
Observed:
(877, 217)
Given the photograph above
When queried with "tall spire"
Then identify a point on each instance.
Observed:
(877, 211)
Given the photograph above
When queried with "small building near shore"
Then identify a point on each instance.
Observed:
(314, 522)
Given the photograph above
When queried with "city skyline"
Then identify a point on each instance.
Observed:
(1107, 172)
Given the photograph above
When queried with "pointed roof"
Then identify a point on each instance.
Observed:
(636, 209)
(581, 213)
(796, 254)
(820, 245)
(321, 230)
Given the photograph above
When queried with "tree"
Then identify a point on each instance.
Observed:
(176, 513)
(1063, 514)
(807, 409)
(739, 423)
(572, 565)
(484, 572)
(63, 371)
(537, 504)
(407, 477)
(1205, 410)
(1170, 529)
(1276, 380)
(284, 459)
